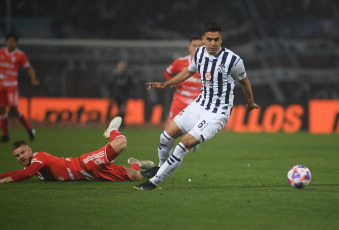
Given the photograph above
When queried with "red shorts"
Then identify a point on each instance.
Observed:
(97, 165)
(9, 96)
(178, 104)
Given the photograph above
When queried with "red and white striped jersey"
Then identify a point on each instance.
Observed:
(49, 167)
(10, 64)
(90, 166)
(188, 90)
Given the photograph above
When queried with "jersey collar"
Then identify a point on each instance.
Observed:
(216, 55)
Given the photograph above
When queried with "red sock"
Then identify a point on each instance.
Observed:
(135, 166)
(114, 134)
(4, 124)
(24, 121)
(110, 153)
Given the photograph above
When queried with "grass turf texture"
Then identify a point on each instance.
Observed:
(238, 181)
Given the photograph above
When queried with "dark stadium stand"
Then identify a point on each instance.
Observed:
(290, 48)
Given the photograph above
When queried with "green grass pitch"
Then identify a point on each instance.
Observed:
(234, 181)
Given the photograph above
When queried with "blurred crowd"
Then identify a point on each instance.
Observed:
(290, 46)
(175, 19)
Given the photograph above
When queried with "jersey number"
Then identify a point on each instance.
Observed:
(201, 124)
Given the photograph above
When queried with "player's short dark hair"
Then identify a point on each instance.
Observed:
(212, 27)
(195, 37)
(17, 144)
(12, 35)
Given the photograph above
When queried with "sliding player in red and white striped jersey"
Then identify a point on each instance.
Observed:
(97, 165)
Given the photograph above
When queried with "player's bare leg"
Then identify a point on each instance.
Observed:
(134, 174)
(134, 170)
(144, 164)
(118, 142)
(4, 124)
(15, 112)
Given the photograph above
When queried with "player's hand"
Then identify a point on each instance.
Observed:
(35, 82)
(159, 85)
(251, 106)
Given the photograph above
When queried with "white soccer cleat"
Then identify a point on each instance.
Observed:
(113, 125)
(144, 164)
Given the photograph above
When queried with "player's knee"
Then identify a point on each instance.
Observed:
(119, 144)
(135, 175)
(189, 141)
(122, 142)
(186, 143)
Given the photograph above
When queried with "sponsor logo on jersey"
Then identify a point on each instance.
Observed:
(7, 65)
(208, 76)
(221, 68)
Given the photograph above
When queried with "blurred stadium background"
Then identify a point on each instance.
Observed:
(290, 48)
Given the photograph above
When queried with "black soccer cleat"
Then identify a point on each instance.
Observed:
(4, 139)
(31, 134)
(145, 186)
(149, 173)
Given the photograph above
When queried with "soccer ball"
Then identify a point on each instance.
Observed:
(299, 176)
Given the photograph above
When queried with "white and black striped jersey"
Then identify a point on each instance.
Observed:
(218, 74)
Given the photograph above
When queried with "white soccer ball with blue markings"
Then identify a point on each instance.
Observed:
(299, 176)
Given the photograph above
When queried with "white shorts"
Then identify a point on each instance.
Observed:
(200, 123)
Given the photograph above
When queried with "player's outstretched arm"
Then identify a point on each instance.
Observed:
(247, 90)
(180, 77)
(21, 174)
(31, 74)
(6, 179)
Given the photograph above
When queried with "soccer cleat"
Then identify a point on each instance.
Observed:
(4, 139)
(150, 172)
(113, 125)
(145, 186)
(31, 134)
(144, 164)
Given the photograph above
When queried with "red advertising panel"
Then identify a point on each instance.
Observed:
(79, 110)
(323, 116)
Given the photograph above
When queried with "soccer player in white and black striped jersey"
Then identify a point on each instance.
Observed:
(219, 68)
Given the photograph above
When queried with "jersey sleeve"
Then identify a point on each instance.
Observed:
(27, 172)
(37, 162)
(193, 65)
(167, 75)
(238, 71)
(24, 61)
(8, 174)
(174, 67)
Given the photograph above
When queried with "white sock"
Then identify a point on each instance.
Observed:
(171, 164)
(165, 148)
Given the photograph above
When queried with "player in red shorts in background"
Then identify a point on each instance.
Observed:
(97, 165)
(11, 60)
(186, 92)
